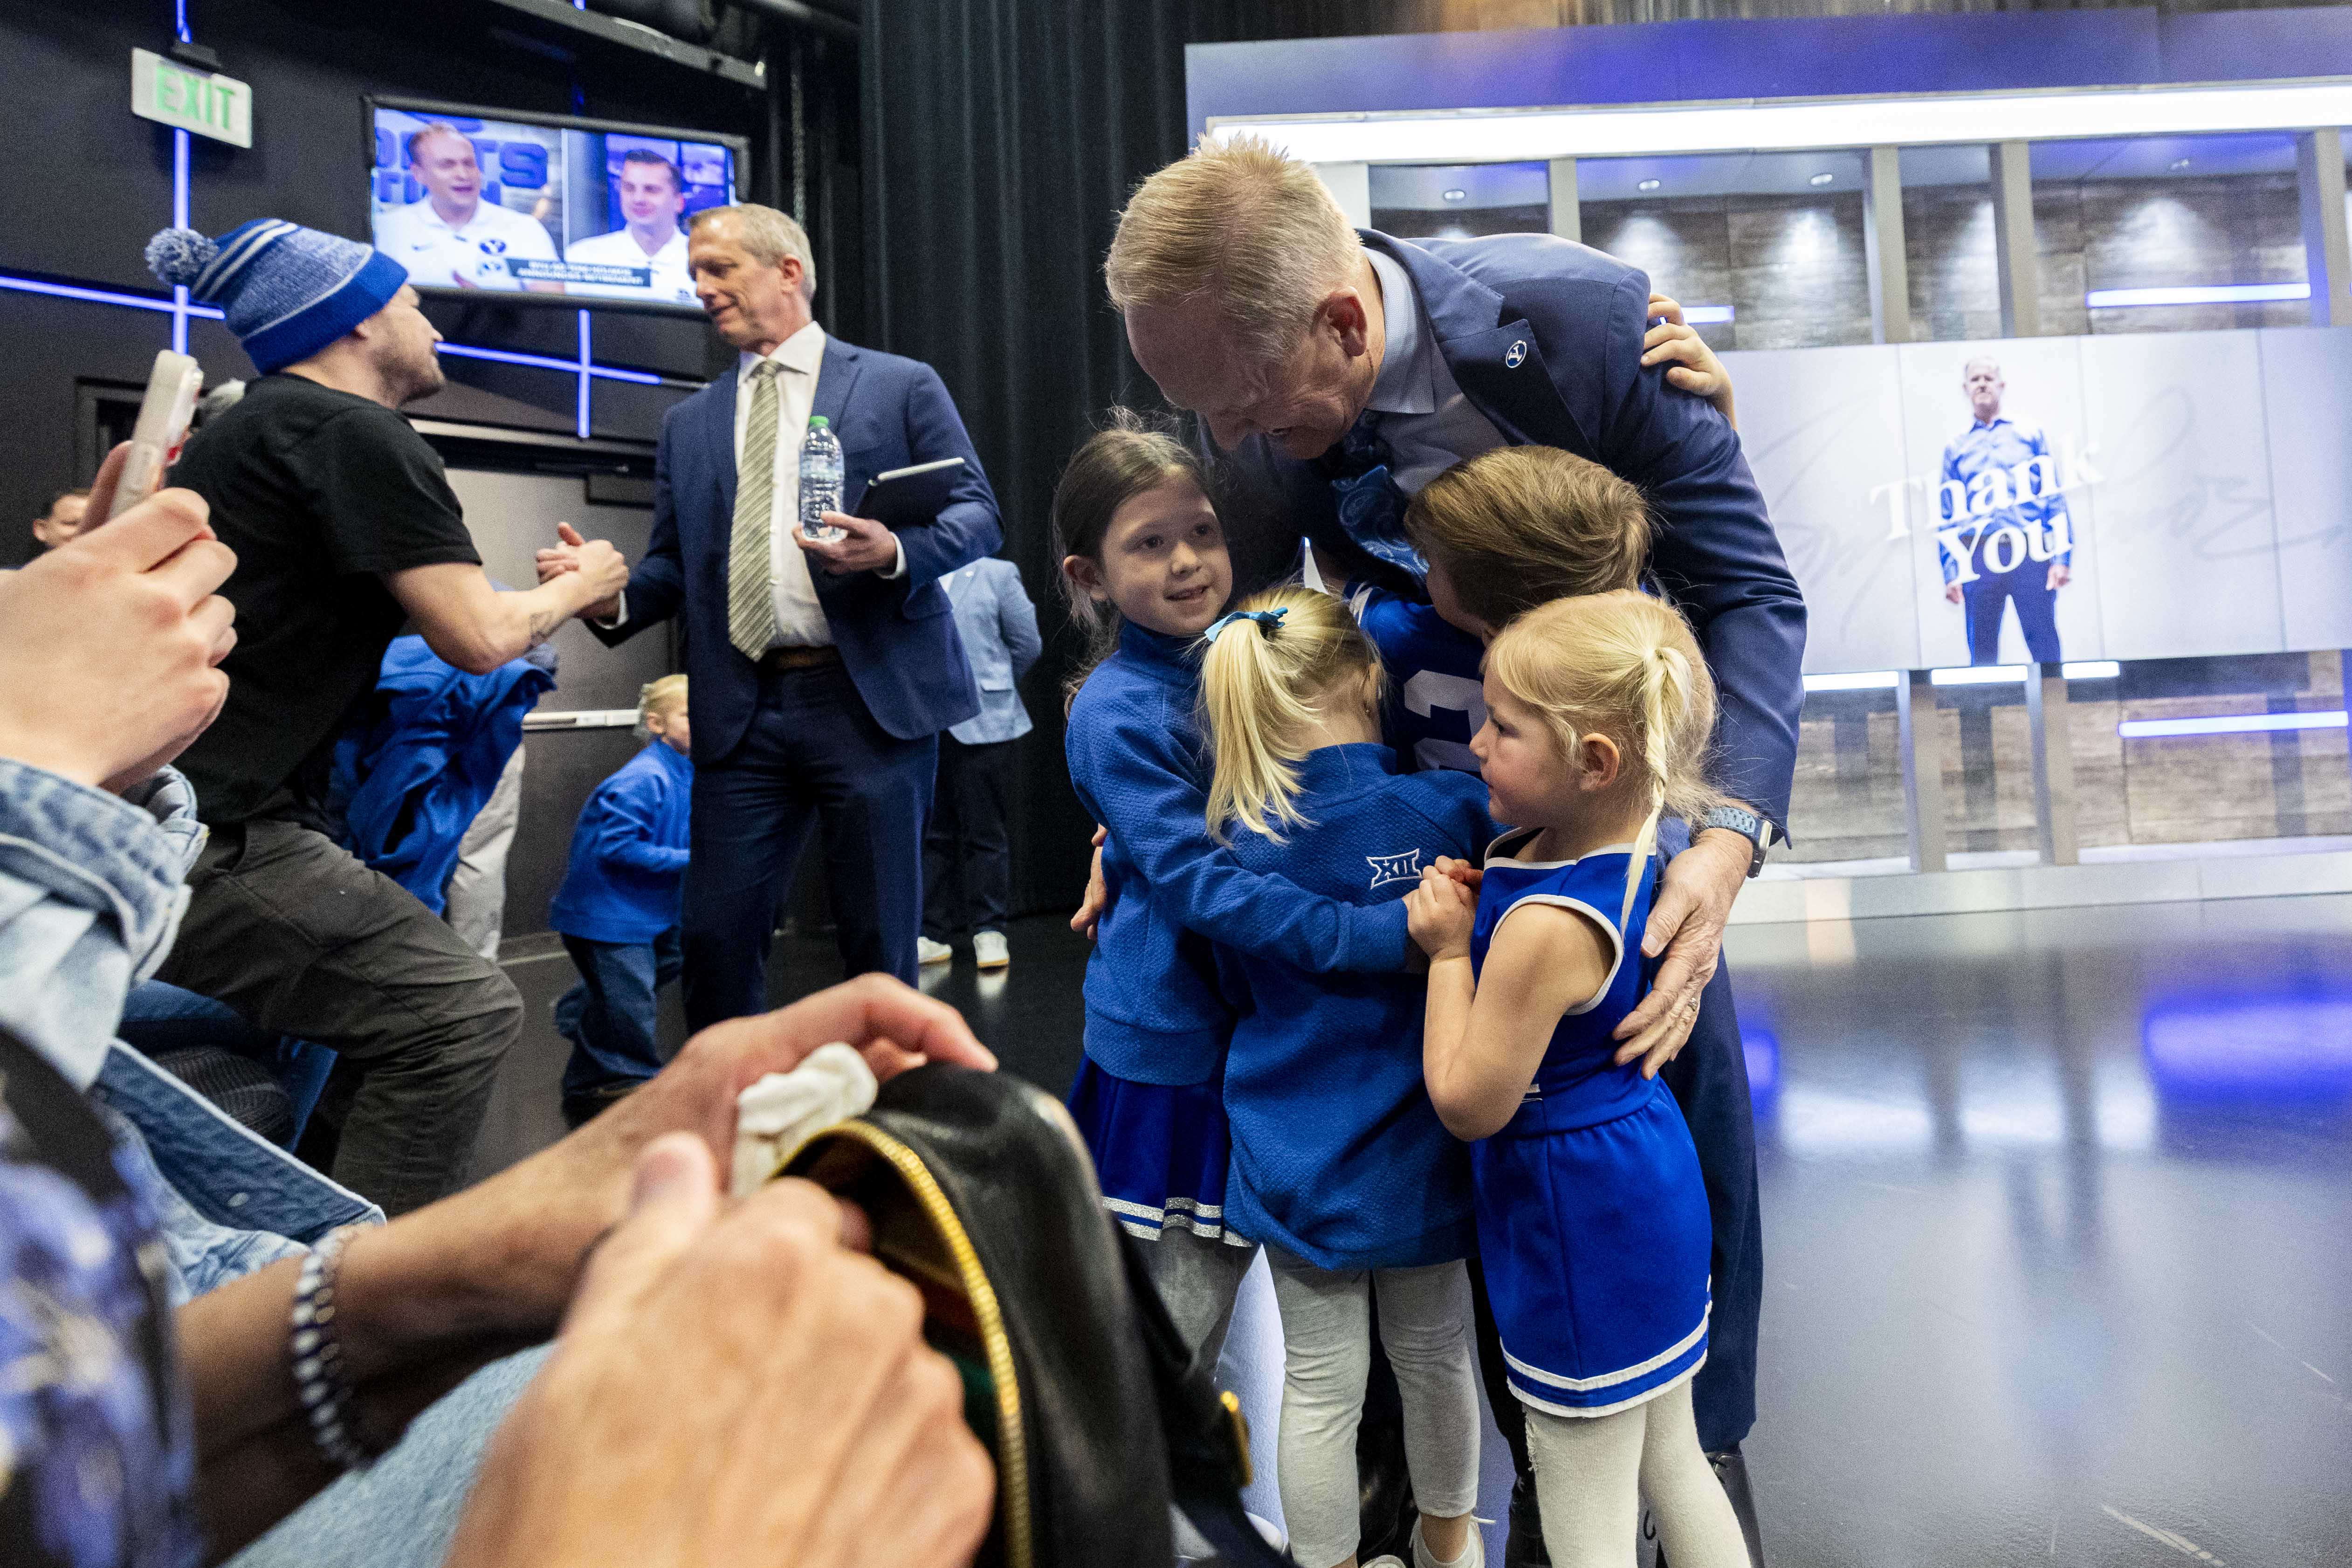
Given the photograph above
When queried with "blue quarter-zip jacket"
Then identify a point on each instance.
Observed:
(627, 874)
(1338, 1156)
(1153, 1011)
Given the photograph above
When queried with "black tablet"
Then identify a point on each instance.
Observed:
(910, 498)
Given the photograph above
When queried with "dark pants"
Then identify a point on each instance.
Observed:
(967, 855)
(2037, 612)
(612, 1015)
(303, 940)
(812, 754)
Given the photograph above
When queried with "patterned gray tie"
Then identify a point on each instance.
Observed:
(750, 599)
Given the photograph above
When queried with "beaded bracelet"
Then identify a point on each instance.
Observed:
(319, 1381)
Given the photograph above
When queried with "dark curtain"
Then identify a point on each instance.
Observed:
(1000, 138)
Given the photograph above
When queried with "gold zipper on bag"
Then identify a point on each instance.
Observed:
(1012, 1442)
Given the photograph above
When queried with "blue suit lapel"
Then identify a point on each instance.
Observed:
(717, 436)
(834, 378)
(1496, 362)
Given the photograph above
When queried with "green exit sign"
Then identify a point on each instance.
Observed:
(220, 106)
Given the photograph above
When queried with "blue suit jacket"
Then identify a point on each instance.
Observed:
(1544, 337)
(998, 623)
(897, 637)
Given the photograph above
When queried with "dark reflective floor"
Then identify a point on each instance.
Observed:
(2058, 1216)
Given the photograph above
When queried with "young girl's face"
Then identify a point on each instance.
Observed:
(669, 725)
(1529, 783)
(1164, 563)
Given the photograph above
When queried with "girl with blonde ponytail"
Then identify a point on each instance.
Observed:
(1340, 1166)
(1592, 1216)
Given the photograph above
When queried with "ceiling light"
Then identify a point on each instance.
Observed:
(2179, 164)
(1649, 184)
(1822, 179)
(1458, 195)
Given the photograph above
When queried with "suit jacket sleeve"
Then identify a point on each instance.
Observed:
(658, 582)
(1717, 555)
(968, 527)
(1016, 620)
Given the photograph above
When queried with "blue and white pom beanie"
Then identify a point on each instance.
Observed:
(286, 291)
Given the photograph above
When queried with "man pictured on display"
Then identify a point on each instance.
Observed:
(2014, 536)
(652, 195)
(449, 235)
(1345, 370)
(823, 672)
(63, 520)
(344, 528)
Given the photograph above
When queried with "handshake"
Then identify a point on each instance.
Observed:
(602, 569)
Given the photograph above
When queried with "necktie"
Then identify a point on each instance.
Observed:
(1372, 507)
(751, 603)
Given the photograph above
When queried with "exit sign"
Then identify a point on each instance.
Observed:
(220, 106)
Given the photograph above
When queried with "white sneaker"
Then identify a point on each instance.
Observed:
(990, 948)
(929, 952)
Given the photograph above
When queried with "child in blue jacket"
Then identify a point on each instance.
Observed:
(618, 909)
(1340, 1166)
(1143, 559)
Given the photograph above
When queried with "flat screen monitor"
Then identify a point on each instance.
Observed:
(541, 207)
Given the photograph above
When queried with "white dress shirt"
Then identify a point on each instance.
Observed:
(436, 254)
(671, 284)
(1428, 422)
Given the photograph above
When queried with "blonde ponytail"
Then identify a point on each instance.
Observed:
(1269, 673)
(1624, 665)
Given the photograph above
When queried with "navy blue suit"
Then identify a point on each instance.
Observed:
(855, 743)
(1544, 338)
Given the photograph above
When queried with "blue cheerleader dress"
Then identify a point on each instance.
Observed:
(1592, 1219)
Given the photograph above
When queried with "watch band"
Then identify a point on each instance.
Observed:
(1748, 825)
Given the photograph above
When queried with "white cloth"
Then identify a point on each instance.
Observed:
(437, 254)
(1592, 1472)
(672, 283)
(1326, 1352)
(475, 901)
(1421, 413)
(784, 1110)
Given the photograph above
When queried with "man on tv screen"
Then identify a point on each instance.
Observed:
(450, 237)
(652, 195)
(2006, 534)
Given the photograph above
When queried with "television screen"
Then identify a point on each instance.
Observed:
(539, 205)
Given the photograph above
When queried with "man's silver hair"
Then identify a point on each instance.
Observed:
(768, 235)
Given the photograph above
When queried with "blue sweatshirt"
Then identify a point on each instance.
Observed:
(1436, 698)
(628, 875)
(1338, 1156)
(1153, 1011)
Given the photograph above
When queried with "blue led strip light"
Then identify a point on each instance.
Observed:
(1708, 315)
(104, 296)
(549, 361)
(2229, 724)
(2207, 294)
(587, 369)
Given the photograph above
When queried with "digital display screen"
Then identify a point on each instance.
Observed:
(519, 206)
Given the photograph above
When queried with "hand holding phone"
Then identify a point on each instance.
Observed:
(163, 414)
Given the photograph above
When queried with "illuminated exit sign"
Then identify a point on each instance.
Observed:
(220, 106)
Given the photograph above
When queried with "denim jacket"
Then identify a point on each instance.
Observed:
(91, 892)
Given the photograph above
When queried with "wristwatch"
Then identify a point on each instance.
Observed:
(1745, 824)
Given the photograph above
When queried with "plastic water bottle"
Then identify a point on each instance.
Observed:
(820, 482)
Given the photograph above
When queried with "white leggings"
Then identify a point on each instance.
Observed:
(1592, 1472)
(1327, 1351)
(1197, 1278)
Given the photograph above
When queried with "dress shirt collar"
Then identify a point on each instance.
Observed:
(1406, 384)
(802, 352)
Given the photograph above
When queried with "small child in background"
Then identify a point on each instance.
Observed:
(1341, 1169)
(1593, 1224)
(618, 909)
(1144, 564)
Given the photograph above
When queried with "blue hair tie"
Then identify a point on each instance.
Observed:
(1270, 619)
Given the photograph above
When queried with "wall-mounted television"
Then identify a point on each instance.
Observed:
(541, 207)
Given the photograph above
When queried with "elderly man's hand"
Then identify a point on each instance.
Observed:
(735, 1388)
(1687, 923)
(502, 1259)
(865, 545)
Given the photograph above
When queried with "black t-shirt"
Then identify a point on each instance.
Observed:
(320, 494)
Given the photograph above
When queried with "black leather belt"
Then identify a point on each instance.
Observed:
(785, 660)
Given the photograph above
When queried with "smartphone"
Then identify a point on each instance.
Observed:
(163, 413)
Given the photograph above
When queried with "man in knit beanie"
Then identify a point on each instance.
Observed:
(344, 528)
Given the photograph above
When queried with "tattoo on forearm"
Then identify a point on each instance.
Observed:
(543, 624)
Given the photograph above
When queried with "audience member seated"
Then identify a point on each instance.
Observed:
(62, 521)
(843, 1445)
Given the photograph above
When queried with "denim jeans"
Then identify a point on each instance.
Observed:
(613, 1012)
(159, 1019)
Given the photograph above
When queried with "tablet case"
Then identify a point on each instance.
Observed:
(910, 498)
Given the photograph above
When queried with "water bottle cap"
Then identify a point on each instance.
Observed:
(818, 421)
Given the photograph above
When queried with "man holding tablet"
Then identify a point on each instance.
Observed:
(652, 195)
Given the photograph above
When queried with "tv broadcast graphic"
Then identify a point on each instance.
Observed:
(540, 207)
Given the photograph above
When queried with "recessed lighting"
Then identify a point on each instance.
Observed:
(2179, 164)
(1649, 184)
(1822, 179)
(1458, 195)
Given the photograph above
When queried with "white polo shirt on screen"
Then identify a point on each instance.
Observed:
(437, 254)
(672, 284)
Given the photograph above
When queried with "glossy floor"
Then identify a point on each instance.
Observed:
(2058, 1214)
